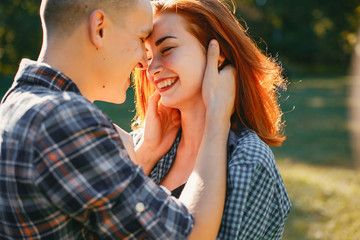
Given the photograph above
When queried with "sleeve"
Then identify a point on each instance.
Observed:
(250, 196)
(84, 170)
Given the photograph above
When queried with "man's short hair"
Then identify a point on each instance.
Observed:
(64, 16)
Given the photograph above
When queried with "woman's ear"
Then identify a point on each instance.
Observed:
(221, 60)
(97, 29)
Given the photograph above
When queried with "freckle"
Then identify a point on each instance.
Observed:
(103, 86)
(86, 6)
(104, 59)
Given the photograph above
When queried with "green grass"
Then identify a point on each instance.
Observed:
(121, 114)
(315, 113)
(315, 161)
(325, 202)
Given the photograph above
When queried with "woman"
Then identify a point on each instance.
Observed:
(257, 204)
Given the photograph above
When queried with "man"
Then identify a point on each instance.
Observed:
(65, 173)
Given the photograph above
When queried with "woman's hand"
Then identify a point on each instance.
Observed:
(161, 127)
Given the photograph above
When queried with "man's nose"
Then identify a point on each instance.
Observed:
(143, 64)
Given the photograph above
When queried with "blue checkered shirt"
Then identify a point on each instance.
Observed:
(256, 204)
(65, 174)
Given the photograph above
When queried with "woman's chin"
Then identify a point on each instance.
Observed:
(167, 102)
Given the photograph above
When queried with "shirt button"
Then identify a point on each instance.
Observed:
(140, 207)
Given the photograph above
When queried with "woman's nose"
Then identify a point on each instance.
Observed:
(154, 67)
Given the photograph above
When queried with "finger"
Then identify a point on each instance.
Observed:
(228, 70)
(227, 77)
(212, 57)
(176, 118)
(152, 108)
(154, 100)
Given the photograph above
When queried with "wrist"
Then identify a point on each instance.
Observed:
(217, 129)
(144, 158)
(218, 117)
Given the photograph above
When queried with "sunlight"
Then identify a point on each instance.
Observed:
(316, 102)
(354, 103)
(326, 201)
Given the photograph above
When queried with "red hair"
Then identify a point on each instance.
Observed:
(258, 76)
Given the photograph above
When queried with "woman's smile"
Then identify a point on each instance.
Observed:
(165, 84)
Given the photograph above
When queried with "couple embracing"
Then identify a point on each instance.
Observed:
(206, 113)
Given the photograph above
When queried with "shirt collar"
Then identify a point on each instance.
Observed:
(232, 139)
(43, 74)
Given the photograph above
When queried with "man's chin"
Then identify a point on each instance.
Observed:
(119, 100)
(116, 100)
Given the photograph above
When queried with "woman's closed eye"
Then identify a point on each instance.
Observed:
(165, 50)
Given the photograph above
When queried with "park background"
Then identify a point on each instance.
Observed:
(315, 40)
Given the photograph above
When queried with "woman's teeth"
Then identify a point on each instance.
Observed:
(165, 83)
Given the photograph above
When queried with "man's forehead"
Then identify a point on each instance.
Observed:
(141, 18)
(138, 21)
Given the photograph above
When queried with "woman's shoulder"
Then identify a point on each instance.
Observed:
(254, 157)
(245, 147)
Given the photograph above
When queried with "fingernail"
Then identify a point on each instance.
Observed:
(213, 43)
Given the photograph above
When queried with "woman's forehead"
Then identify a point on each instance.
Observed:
(168, 23)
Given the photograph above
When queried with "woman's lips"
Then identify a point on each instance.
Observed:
(164, 84)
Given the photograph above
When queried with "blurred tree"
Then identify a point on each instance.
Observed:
(20, 33)
(316, 36)
(310, 36)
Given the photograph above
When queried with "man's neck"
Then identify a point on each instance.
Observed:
(70, 60)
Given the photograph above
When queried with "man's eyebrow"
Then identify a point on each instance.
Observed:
(146, 33)
(158, 42)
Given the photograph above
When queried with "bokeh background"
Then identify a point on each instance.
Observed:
(318, 43)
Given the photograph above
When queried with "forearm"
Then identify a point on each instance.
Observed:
(145, 158)
(204, 193)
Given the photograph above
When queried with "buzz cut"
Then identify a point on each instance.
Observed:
(64, 16)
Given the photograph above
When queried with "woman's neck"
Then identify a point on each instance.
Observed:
(192, 124)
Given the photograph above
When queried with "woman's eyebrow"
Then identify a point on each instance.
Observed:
(158, 42)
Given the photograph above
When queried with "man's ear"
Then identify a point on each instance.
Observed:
(97, 29)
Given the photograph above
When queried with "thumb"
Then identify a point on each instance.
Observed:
(212, 57)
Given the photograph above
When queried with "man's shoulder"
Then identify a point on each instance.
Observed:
(71, 107)
(44, 101)
(34, 108)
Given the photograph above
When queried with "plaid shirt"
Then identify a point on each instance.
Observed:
(256, 204)
(65, 174)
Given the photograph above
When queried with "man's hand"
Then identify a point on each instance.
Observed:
(218, 89)
(161, 126)
(204, 193)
